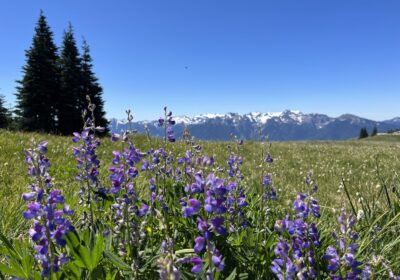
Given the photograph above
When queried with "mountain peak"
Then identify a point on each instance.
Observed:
(285, 125)
(394, 120)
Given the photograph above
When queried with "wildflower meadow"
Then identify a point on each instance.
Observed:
(131, 206)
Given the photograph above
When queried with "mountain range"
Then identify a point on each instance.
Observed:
(288, 125)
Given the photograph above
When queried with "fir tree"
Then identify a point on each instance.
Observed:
(91, 87)
(4, 113)
(374, 131)
(363, 133)
(71, 101)
(39, 86)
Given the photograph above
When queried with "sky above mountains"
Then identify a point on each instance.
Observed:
(332, 57)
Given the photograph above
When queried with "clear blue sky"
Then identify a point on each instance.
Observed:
(218, 56)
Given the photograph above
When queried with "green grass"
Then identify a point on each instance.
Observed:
(355, 161)
(384, 138)
(357, 174)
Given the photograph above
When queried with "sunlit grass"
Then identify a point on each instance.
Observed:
(354, 161)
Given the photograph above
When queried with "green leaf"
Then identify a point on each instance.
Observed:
(97, 253)
(27, 261)
(111, 275)
(20, 259)
(217, 275)
(72, 238)
(87, 251)
(184, 251)
(117, 261)
(85, 257)
(149, 263)
(232, 276)
(72, 269)
(37, 276)
(12, 271)
(98, 273)
(7, 243)
(73, 244)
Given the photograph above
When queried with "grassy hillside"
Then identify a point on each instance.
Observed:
(359, 175)
(384, 138)
(355, 161)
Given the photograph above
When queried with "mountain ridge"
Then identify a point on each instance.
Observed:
(280, 126)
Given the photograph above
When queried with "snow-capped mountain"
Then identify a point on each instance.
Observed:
(394, 121)
(286, 125)
(256, 117)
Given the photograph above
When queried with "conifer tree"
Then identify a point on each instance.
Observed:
(71, 100)
(91, 87)
(39, 87)
(363, 133)
(374, 131)
(4, 113)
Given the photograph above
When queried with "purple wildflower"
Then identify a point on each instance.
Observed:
(199, 244)
(170, 134)
(197, 265)
(268, 158)
(115, 137)
(341, 260)
(304, 239)
(193, 207)
(160, 122)
(217, 260)
(269, 190)
(47, 212)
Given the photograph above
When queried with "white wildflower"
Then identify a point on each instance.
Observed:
(360, 214)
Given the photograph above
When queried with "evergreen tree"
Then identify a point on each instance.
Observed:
(4, 113)
(91, 87)
(71, 100)
(363, 133)
(39, 86)
(374, 131)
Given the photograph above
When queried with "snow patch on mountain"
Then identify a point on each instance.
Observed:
(282, 126)
(256, 117)
(263, 118)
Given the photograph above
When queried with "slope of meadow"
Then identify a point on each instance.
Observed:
(367, 170)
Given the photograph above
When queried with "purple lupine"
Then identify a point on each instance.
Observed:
(236, 197)
(128, 210)
(214, 206)
(88, 164)
(197, 265)
(193, 206)
(170, 134)
(268, 158)
(310, 182)
(302, 260)
(197, 186)
(341, 258)
(48, 211)
(167, 122)
(209, 211)
(282, 266)
(269, 190)
(304, 239)
(160, 164)
(233, 166)
(215, 195)
(199, 244)
(160, 122)
(315, 207)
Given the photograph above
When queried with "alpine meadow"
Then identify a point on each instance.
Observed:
(85, 194)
